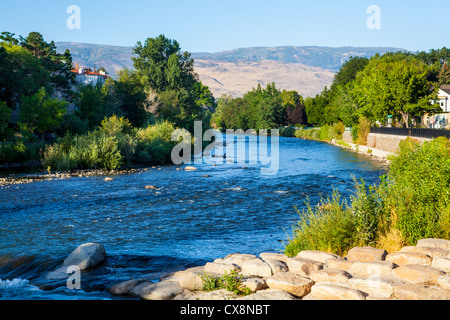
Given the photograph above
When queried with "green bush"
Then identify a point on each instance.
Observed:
(287, 132)
(229, 281)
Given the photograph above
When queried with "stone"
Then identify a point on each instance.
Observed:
(107, 179)
(339, 264)
(319, 256)
(419, 292)
(269, 294)
(166, 290)
(411, 258)
(303, 267)
(124, 288)
(151, 188)
(217, 267)
(368, 269)
(435, 243)
(256, 267)
(432, 252)
(216, 295)
(191, 281)
(376, 287)
(366, 254)
(418, 274)
(189, 168)
(290, 282)
(254, 283)
(86, 256)
(330, 275)
(277, 265)
(444, 282)
(333, 291)
(274, 256)
(58, 274)
(238, 258)
(441, 264)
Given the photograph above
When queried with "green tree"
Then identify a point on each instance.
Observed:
(444, 75)
(349, 70)
(40, 114)
(5, 117)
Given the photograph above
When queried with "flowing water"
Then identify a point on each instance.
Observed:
(188, 221)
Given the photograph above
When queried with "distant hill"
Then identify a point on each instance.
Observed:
(305, 69)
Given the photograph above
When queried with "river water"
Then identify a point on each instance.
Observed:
(188, 221)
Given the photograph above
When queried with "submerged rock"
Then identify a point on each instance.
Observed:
(86, 256)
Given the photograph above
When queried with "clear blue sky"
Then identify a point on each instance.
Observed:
(212, 25)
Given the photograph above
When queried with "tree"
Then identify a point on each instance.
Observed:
(5, 117)
(395, 84)
(40, 114)
(444, 75)
(349, 70)
(294, 107)
(316, 108)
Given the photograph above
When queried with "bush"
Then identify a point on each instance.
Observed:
(287, 132)
(229, 281)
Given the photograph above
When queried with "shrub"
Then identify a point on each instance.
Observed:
(287, 132)
(229, 281)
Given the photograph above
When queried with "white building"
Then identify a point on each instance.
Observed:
(86, 76)
(442, 120)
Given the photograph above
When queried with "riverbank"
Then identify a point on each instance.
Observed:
(420, 272)
(378, 154)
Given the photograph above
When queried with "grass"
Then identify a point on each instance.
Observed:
(229, 281)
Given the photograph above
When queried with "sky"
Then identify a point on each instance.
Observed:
(213, 25)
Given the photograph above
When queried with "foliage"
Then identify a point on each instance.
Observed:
(229, 281)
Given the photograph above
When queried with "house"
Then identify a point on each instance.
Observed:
(442, 120)
(87, 76)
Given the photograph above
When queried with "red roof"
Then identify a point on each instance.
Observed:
(87, 72)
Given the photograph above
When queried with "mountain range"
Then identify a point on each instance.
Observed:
(304, 69)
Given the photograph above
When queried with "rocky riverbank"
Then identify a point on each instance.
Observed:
(419, 272)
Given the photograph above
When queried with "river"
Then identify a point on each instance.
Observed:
(189, 220)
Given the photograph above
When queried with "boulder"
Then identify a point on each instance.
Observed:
(371, 269)
(411, 258)
(269, 294)
(254, 283)
(441, 264)
(221, 294)
(86, 256)
(303, 267)
(238, 258)
(107, 179)
(124, 288)
(366, 254)
(444, 282)
(432, 252)
(274, 256)
(188, 168)
(290, 282)
(256, 267)
(149, 187)
(277, 265)
(334, 291)
(319, 256)
(217, 267)
(376, 287)
(166, 290)
(330, 275)
(435, 243)
(339, 264)
(418, 274)
(190, 280)
(419, 292)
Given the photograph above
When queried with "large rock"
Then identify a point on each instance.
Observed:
(411, 258)
(218, 267)
(378, 287)
(277, 265)
(269, 294)
(86, 256)
(290, 282)
(303, 267)
(237, 258)
(254, 283)
(221, 294)
(441, 264)
(329, 275)
(432, 252)
(319, 256)
(339, 264)
(371, 269)
(419, 292)
(435, 243)
(444, 281)
(274, 256)
(418, 274)
(124, 288)
(366, 254)
(334, 291)
(190, 280)
(256, 267)
(166, 290)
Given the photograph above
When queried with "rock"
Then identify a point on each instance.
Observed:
(151, 187)
(432, 252)
(435, 243)
(109, 179)
(339, 264)
(124, 288)
(269, 294)
(303, 267)
(418, 274)
(216, 267)
(191, 281)
(329, 275)
(371, 269)
(221, 294)
(256, 267)
(333, 291)
(254, 283)
(319, 256)
(419, 292)
(58, 274)
(376, 287)
(277, 265)
(291, 283)
(238, 258)
(411, 258)
(188, 168)
(86, 256)
(206, 176)
(366, 254)
(166, 290)
(444, 282)
(274, 256)
(441, 264)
